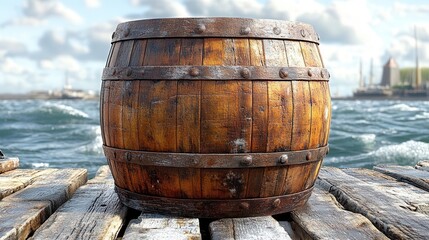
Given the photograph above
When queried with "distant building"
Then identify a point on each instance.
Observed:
(391, 76)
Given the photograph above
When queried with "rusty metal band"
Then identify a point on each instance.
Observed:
(215, 27)
(210, 160)
(216, 73)
(214, 208)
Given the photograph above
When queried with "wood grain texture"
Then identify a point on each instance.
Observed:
(55, 186)
(13, 181)
(324, 218)
(406, 174)
(219, 105)
(94, 212)
(114, 124)
(280, 100)
(22, 212)
(156, 226)
(104, 112)
(254, 228)
(8, 164)
(189, 99)
(399, 210)
(302, 116)
(130, 109)
(138, 53)
(311, 54)
(318, 123)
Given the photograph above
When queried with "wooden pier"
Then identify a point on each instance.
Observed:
(387, 202)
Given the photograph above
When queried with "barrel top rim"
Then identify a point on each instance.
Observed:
(213, 18)
(227, 27)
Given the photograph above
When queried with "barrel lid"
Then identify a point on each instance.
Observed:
(215, 27)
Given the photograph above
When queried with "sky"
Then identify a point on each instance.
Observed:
(42, 41)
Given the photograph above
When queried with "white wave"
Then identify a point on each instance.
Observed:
(40, 165)
(95, 146)
(402, 107)
(424, 115)
(366, 138)
(66, 109)
(414, 150)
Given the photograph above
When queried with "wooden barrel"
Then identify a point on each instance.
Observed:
(215, 117)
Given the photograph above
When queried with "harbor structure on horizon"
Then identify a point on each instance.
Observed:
(391, 85)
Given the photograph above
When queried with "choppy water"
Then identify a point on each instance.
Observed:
(66, 134)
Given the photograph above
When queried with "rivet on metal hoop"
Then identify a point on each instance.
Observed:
(277, 30)
(126, 32)
(308, 156)
(129, 72)
(283, 159)
(322, 73)
(194, 72)
(200, 28)
(310, 73)
(245, 73)
(245, 30)
(247, 161)
(283, 73)
(276, 203)
(244, 205)
(303, 32)
(128, 156)
(113, 35)
(114, 72)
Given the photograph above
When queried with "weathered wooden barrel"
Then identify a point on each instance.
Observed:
(215, 117)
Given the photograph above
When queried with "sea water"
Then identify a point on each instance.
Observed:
(66, 133)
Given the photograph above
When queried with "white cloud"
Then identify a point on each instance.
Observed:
(413, 8)
(9, 66)
(161, 8)
(92, 3)
(37, 11)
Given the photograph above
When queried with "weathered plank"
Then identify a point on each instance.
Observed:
(324, 218)
(159, 227)
(19, 219)
(247, 229)
(94, 212)
(397, 209)
(406, 174)
(24, 211)
(8, 164)
(423, 165)
(57, 187)
(13, 181)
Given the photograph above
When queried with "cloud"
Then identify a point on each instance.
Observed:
(160, 8)
(328, 25)
(91, 44)
(10, 66)
(410, 8)
(12, 48)
(92, 3)
(36, 12)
